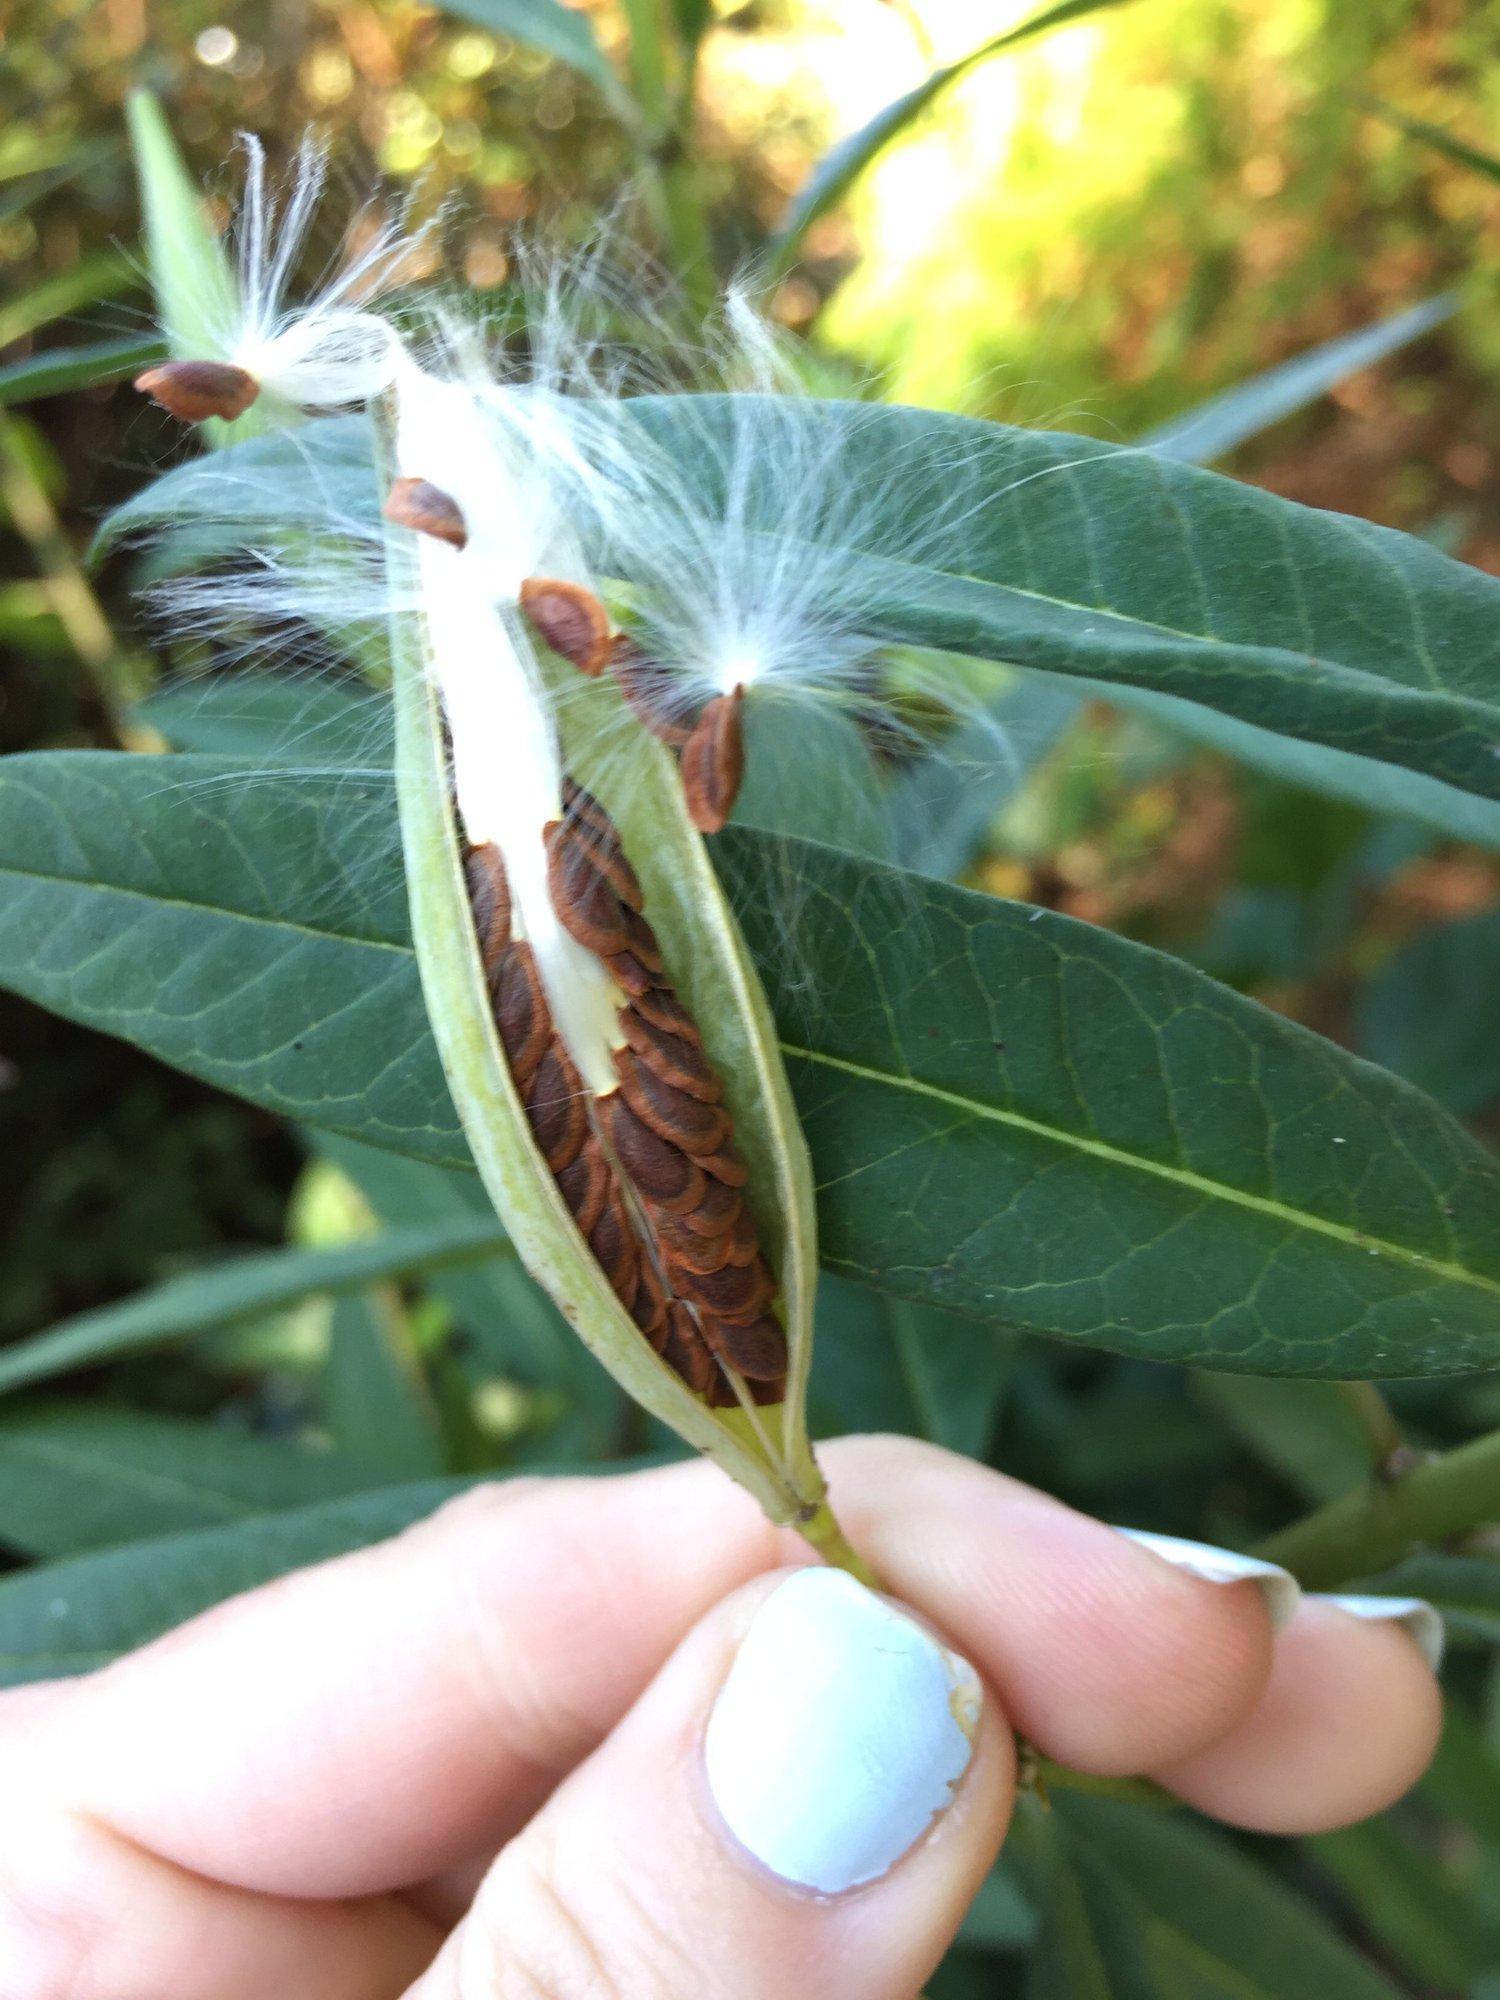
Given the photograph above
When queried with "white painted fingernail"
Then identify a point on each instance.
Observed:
(1278, 1586)
(839, 1734)
(1424, 1623)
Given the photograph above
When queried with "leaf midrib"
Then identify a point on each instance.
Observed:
(161, 902)
(1294, 1218)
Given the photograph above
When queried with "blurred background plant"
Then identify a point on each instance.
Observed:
(1098, 223)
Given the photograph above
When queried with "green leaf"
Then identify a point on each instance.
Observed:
(77, 1476)
(272, 719)
(1408, 1900)
(1338, 774)
(1117, 565)
(514, 1328)
(1097, 562)
(1027, 1119)
(1144, 1902)
(197, 297)
(240, 1289)
(1436, 136)
(71, 1617)
(100, 276)
(940, 811)
(556, 29)
(64, 369)
(1307, 1432)
(1012, 1115)
(1214, 428)
(839, 168)
(1465, 1589)
(377, 1402)
(1429, 1012)
(956, 1372)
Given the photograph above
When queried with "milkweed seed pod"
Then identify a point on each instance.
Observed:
(607, 1042)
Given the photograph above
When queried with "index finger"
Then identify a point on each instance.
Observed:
(366, 1724)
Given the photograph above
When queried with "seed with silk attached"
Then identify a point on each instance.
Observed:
(570, 620)
(427, 510)
(555, 1105)
(652, 693)
(193, 391)
(713, 762)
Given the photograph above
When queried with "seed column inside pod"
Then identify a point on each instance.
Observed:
(701, 1290)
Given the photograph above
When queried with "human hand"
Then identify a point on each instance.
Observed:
(471, 1761)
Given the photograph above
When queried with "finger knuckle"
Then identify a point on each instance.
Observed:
(535, 1942)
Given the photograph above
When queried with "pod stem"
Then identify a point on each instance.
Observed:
(819, 1527)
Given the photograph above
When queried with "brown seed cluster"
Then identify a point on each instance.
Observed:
(574, 624)
(650, 1174)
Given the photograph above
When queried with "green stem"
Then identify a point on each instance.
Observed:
(666, 115)
(1377, 1421)
(1369, 1530)
(821, 1530)
(63, 583)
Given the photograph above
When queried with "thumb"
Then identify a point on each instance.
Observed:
(804, 1801)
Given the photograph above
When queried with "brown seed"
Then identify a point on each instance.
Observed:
(585, 902)
(586, 1184)
(737, 1293)
(744, 1243)
(652, 693)
(661, 1007)
(687, 1121)
(613, 1242)
(649, 1306)
(687, 1248)
(719, 1210)
(640, 942)
(627, 971)
(192, 391)
(582, 804)
(757, 1350)
(570, 620)
(592, 830)
(713, 762)
(489, 898)
(676, 1061)
(521, 1015)
(660, 1171)
(427, 510)
(682, 1348)
(725, 1165)
(555, 1106)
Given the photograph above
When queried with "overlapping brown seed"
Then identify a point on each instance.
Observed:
(738, 1293)
(687, 1121)
(648, 1308)
(652, 693)
(756, 1350)
(626, 970)
(613, 1242)
(662, 1172)
(586, 1184)
(585, 824)
(719, 1210)
(690, 1247)
(713, 762)
(725, 1165)
(661, 1007)
(674, 1059)
(583, 897)
(522, 1019)
(569, 619)
(682, 1348)
(489, 899)
(193, 391)
(556, 1108)
(427, 510)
